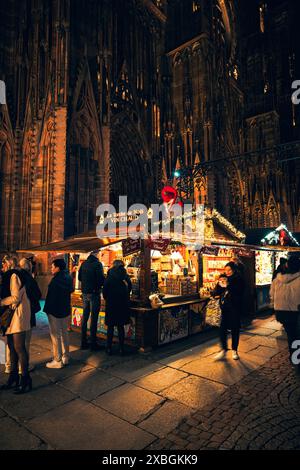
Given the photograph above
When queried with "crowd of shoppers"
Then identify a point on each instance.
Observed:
(20, 293)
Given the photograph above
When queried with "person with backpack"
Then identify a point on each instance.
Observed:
(14, 295)
(92, 278)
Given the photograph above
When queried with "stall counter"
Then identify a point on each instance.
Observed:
(151, 327)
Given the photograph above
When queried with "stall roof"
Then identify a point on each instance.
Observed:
(217, 230)
(257, 235)
(79, 244)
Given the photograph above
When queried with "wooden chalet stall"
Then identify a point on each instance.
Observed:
(269, 245)
(180, 275)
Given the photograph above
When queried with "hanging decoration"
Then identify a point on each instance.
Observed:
(169, 196)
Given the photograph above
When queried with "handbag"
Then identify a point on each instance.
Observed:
(6, 317)
(213, 312)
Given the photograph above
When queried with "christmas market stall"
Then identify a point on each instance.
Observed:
(269, 246)
(171, 277)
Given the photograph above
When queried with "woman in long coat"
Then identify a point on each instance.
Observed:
(13, 293)
(231, 306)
(116, 293)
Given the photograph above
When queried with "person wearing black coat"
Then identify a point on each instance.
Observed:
(281, 268)
(116, 293)
(58, 308)
(92, 279)
(231, 301)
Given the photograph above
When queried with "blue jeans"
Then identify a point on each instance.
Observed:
(91, 305)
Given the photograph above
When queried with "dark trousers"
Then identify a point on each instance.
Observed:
(110, 334)
(91, 305)
(291, 324)
(234, 326)
(18, 352)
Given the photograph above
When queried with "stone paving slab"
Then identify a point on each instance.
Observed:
(161, 379)
(38, 382)
(131, 403)
(261, 331)
(269, 342)
(57, 375)
(42, 399)
(194, 392)
(89, 384)
(226, 371)
(42, 340)
(99, 359)
(272, 324)
(279, 335)
(40, 357)
(134, 369)
(264, 352)
(178, 360)
(166, 418)
(16, 437)
(81, 425)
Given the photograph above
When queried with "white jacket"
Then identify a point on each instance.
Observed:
(285, 292)
(21, 318)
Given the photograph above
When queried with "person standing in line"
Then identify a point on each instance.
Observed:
(34, 295)
(116, 293)
(285, 296)
(58, 308)
(231, 306)
(92, 278)
(13, 293)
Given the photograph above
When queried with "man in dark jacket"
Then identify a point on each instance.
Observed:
(92, 279)
(58, 308)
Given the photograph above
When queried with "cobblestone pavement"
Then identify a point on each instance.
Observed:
(262, 411)
(176, 397)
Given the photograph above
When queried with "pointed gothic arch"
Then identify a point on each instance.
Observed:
(272, 215)
(257, 213)
(86, 169)
(130, 169)
(7, 183)
(43, 185)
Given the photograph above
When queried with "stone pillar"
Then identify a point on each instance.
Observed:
(145, 273)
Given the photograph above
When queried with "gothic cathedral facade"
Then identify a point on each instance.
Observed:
(109, 97)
